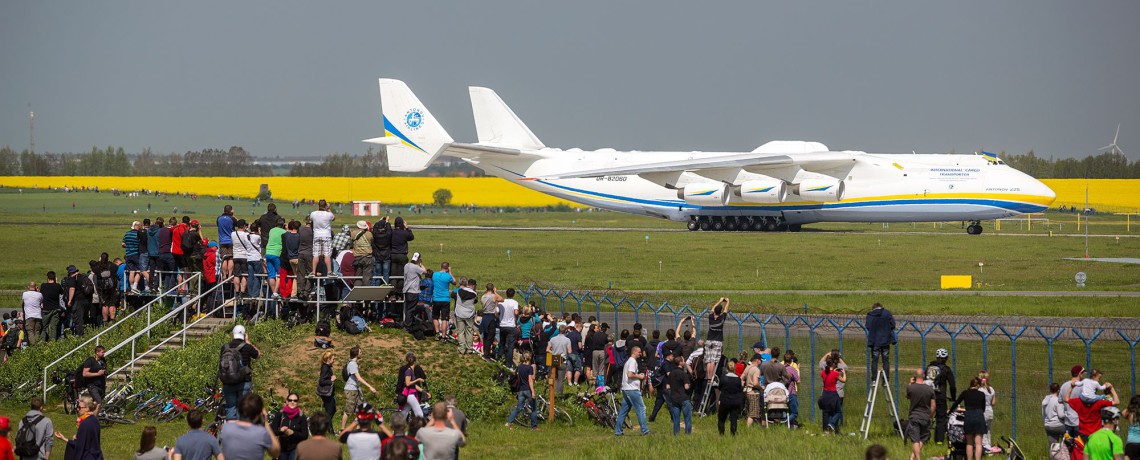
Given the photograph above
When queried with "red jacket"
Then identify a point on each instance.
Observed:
(176, 238)
(1089, 414)
(210, 265)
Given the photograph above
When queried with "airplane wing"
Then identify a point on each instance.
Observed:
(753, 162)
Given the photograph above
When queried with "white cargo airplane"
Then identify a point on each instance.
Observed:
(778, 186)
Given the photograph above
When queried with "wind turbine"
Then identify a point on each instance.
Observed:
(1113, 148)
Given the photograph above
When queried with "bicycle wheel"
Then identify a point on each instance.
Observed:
(168, 416)
(561, 415)
(119, 419)
(69, 403)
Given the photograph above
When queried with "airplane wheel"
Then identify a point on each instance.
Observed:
(794, 227)
(974, 230)
(718, 225)
(693, 226)
(771, 226)
(706, 225)
(731, 226)
(758, 225)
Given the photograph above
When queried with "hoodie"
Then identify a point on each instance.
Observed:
(880, 325)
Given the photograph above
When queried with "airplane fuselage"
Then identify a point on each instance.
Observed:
(879, 188)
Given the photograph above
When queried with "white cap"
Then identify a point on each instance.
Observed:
(239, 332)
(416, 257)
(362, 225)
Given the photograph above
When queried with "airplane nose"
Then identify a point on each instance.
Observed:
(1045, 192)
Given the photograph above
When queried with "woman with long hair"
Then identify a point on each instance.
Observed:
(1053, 416)
(975, 421)
(829, 401)
(986, 389)
(1132, 416)
(411, 385)
(147, 449)
(526, 328)
(326, 388)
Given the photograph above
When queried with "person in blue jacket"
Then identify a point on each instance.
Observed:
(880, 326)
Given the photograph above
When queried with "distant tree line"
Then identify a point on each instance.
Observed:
(236, 161)
(113, 161)
(1108, 165)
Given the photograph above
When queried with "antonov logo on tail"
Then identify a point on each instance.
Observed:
(777, 186)
(414, 119)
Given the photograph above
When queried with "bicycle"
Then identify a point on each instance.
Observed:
(542, 406)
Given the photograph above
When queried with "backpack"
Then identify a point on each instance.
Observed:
(106, 281)
(12, 339)
(351, 327)
(658, 377)
(232, 370)
(344, 373)
(86, 287)
(933, 376)
(26, 437)
(323, 328)
(514, 382)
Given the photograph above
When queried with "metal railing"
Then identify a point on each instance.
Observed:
(1043, 341)
(181, 333)
(196, 277)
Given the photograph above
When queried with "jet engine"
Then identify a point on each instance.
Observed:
(820, 190)
(705, 194)
(762, 191)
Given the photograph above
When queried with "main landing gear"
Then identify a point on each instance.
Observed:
(740, 224)
(975, 228)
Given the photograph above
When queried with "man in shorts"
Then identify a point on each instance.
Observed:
(921, 398)
(322, 236)
(1104, 444)
(181, 259)
(131, 255)
(225, 242)
(353, 395)
(441, 298)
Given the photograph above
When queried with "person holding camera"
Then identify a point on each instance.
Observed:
(829, 401)
(249, 437)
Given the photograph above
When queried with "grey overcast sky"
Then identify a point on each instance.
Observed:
(290, 78)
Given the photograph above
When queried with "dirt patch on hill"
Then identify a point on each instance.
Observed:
(382, 353)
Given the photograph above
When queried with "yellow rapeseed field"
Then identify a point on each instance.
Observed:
(1113, 195)
(481, 191)
(1116, 195)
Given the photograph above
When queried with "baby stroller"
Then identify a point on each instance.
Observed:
(776, 406)
(956, 436)
(1013, 449)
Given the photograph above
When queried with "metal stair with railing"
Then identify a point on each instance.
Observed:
(205, 327)
(181, 315)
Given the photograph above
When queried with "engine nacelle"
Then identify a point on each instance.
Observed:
(820, 190)
(705, 194)
(762, 191)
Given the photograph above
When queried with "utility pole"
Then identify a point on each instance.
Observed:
(1086, 213)
(32, 128)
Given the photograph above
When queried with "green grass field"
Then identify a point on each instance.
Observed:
(42, 232)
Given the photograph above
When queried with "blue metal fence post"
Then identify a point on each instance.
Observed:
(985, 344)
(811, 335)
(953, 345)
(740, 329)
(1013, 372)
(1088, 345)
(1131, 354)
(1049, 345)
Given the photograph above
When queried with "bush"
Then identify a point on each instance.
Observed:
(187, 371)
(441, 197)
(28, 364)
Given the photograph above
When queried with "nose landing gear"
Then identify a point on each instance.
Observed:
(975, 228)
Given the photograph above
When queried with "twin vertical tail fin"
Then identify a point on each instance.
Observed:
(413, 138)
(497, 124)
